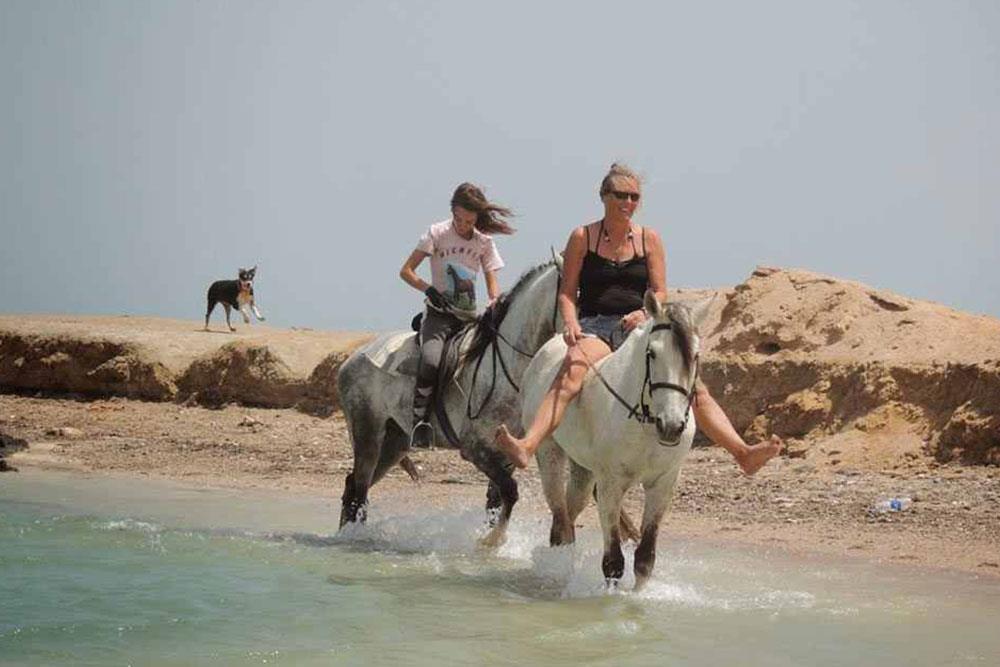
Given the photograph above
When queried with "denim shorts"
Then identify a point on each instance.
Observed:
(608, 328)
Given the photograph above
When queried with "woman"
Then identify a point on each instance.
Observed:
(608, 266)
(459, 248)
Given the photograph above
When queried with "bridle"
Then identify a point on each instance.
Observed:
(494, 328)
(641, 411)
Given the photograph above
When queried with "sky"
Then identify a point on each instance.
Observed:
(149, 148)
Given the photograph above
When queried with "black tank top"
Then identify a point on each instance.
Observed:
(608, 287)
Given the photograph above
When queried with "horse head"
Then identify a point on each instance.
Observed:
(672, 346)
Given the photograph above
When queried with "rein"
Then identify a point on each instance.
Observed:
(640, 411)
(495, 331)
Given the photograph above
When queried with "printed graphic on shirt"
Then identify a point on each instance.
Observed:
(461, 286)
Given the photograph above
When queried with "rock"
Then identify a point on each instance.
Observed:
(65, 432)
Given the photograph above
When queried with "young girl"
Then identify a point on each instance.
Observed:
(458, 249)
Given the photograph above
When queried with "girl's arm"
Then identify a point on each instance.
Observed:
(492, 287)
(408, 272)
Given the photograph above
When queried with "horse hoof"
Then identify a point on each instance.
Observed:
(493, 539)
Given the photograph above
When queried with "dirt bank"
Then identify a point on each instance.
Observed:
(162, 360)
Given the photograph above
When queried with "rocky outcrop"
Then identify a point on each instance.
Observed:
(809, 356)
(81, 365)
(241, 372)
(162, 360)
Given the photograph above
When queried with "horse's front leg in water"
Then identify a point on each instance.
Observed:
(609, 506)
(493, 464)
(659, 496)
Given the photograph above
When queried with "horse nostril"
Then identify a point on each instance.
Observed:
(669, 429)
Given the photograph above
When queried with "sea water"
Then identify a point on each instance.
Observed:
(106, 571)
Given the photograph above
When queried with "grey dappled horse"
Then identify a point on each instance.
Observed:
(635, 429)
(376, 386)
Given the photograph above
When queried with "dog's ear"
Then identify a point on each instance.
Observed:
(253, 270)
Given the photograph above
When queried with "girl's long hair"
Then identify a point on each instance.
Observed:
(491, 218)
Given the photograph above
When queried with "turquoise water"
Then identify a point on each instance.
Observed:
(99, 571)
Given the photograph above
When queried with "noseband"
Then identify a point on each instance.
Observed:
(641, 411)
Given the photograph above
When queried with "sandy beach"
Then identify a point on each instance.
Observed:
(807, 506)
(876, 395)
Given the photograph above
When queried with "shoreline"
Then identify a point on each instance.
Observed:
(796, 507)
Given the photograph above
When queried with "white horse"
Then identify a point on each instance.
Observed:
(631, 423)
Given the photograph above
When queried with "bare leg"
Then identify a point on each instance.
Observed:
(716, 425)
(550, 412)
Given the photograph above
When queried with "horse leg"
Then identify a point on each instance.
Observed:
(495, 466)
(493, 503)
(552, 471)
(659, 496)
(609, 506)
(395, 442)
(626, 526)
(366, 439)
(578, 492)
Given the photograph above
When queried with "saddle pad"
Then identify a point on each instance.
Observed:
(394, 352)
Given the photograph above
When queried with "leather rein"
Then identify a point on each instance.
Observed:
(494, 328)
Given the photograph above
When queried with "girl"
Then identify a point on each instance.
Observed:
(459, 248)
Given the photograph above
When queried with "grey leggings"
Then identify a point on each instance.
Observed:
(435, 328)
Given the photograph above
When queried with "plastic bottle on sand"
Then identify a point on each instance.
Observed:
(884, 505)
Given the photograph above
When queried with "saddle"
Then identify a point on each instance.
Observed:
(397, 353)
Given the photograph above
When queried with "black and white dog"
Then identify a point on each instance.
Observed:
(236, 294)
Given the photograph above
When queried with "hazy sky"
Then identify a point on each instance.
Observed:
(148, 148)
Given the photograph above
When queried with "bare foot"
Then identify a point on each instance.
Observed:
(511, 447)
(757, 455)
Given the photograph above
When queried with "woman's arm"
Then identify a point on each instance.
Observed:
(576, 250)
(657, 263)
(408, 272)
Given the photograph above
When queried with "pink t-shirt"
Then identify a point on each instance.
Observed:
(455, 262)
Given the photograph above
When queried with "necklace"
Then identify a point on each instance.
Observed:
(617, 251)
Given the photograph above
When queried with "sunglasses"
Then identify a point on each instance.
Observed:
(634, 196)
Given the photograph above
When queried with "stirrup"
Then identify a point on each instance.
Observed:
(422, 435)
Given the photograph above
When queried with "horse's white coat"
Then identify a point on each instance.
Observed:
(605, 446)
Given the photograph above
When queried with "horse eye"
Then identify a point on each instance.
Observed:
(652, 355)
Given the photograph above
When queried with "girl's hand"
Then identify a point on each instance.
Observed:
(633, 319)
(573, 333)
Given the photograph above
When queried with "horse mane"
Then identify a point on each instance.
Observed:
(484, 329)
(679, 316)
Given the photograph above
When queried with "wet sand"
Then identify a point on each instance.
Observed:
(809, 507)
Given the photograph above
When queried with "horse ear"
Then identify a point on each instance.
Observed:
(699, 311)
(557, 258)
(652, 304)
